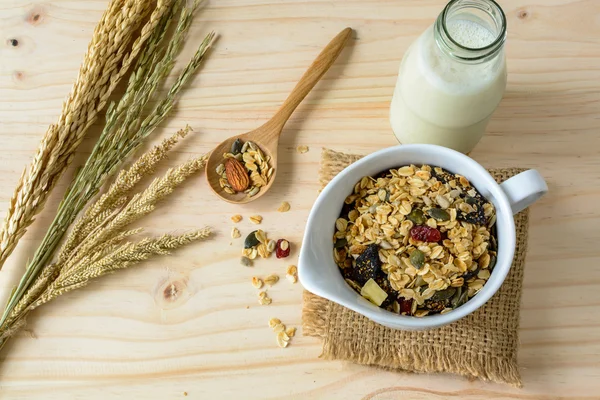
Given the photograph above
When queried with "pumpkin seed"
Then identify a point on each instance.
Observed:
(245, 261)
(438, 214)
(417, 259)
(251, 240)
(460, 297)
(493, 242)
(236, 147)
(417, 217)
(340, 243)
(472, 274)
(220, 169)
(471, 200)
(492, 262)
(245, 147)
(444, 294)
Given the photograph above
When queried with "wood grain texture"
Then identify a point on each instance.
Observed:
(126, 337)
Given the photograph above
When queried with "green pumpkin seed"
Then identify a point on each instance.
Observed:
(460, 297)
(493, 242)
(443, 295)
(438, 214)
(471, 200)
(456, 297)
(417, 217)
(340, 243)
(236, 147)
(417, 259)
(251, 240)
(492, 262)
(471, 274)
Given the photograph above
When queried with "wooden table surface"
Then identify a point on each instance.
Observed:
(125, 337)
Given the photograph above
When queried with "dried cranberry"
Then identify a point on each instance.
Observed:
(405, 306)
(425, 233)
(282, 249)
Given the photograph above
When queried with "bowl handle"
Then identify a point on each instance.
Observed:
(524, 189)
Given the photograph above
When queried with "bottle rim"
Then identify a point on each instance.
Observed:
(465, 53)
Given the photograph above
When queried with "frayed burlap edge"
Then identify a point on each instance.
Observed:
(492, 353)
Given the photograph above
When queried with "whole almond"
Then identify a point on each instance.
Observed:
(237, 176)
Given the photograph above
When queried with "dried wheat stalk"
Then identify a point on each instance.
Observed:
(115, 44)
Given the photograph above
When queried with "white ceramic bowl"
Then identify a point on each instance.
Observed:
(320, 275)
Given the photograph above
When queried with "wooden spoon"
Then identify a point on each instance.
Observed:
(266, 137)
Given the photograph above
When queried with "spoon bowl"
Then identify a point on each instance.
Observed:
(266, 137)
(267, 144)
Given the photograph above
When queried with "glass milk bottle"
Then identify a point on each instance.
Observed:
(452, 77)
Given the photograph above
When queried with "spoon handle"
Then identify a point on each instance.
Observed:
(310, 78)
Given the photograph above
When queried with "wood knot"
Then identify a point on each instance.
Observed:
(35, 16)
(522, 14)
(12, 42)
(172, 292)
(18, 76)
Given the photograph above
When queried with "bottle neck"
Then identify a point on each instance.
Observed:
(460, 14)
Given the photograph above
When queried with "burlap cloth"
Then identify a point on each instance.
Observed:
(482, 345)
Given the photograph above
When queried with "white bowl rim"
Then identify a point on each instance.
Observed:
(400, 321)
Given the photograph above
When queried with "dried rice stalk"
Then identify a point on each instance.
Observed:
(125, 130)
(105, 63)
(102, 245)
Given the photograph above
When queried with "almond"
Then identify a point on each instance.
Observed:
(237, 176)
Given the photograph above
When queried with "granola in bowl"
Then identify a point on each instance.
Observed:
(416, 240)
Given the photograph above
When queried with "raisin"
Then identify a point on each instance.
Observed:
(405, 306)
(477, 217)
(346, 210)
(383, 174)
(368, 265)
(425, 233)
(442, 175)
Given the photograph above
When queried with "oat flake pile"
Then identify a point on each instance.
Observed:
(416, 240)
